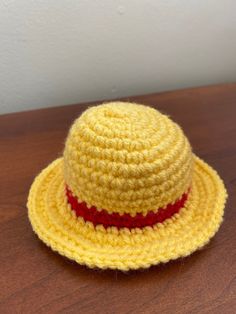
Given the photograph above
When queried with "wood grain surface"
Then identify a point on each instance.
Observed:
(33, 279)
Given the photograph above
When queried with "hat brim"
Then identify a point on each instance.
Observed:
(187, 231)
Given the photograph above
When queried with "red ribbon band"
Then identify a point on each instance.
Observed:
(123, 220)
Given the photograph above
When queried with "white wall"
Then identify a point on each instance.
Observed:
(55, 52)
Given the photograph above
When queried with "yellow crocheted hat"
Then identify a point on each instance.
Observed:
(127, 193)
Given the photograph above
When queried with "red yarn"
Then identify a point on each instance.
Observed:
(124, 220)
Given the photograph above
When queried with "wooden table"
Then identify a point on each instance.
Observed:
(33, 279)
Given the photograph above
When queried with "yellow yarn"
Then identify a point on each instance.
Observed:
(134, 157)
(57, 225)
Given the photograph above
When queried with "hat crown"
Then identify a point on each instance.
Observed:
(127, 158)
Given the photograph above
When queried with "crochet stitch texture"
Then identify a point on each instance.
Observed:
(135, 158)
(125, 158)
